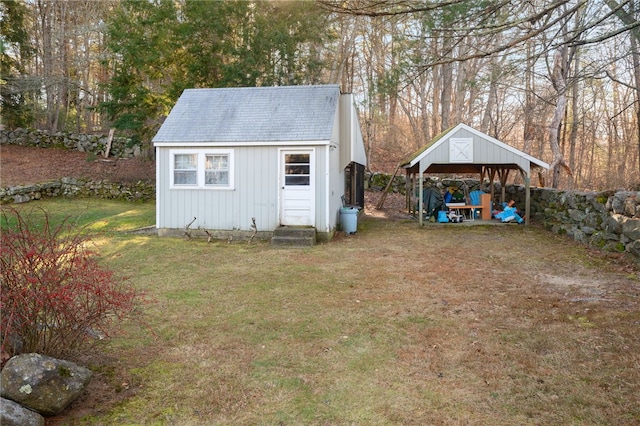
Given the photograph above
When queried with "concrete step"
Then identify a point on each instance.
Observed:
(291, 236)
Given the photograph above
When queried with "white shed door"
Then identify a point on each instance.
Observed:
(297, 188)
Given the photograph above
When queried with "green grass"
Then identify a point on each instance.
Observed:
(393, 325)
(98, 216)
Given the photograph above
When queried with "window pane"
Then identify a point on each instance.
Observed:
(216, 169)
(297, 158)
(185, 161)
(298, 170)
(217, 162)
(185, 178)
(297, 180)
(185, 169)
(216, 178)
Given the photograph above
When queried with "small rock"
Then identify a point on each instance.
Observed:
(631, 229)
(14, 414)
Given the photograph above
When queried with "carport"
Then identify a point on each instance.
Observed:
(465, 150)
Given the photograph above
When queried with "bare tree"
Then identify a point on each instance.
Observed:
(629, 17)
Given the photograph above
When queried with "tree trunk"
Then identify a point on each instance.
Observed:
(635, 54)
(575, 111)
(460, 92)
(556, 121)
(47, 60)
(435, 93)
(492, 98)
(629, 18)
(447, 89)
(529, 132)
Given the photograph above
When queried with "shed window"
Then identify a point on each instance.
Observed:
(202, 169)
(185, 169)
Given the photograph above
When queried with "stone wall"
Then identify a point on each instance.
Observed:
(96, 144)
(609, 220)
(70, 187)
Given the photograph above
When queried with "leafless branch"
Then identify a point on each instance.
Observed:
(254, 227)
(378, 8)
(511, 43)
(614, 79)
(606, 36)
(187, 231)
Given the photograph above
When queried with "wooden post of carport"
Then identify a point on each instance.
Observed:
(420, 200)
(492, 177)
(503, 174)
(486, 171)
(527, 195)
(410, 189)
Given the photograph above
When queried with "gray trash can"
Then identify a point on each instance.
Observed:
(349, 219)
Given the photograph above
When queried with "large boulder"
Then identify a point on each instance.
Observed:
(14, 414)
(44, 384)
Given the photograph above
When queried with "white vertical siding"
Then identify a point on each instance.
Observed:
(255, 195)
(322, 186)
(257, 187)
(336, 178)
(351, 143)
(440, 154)
(484, 152)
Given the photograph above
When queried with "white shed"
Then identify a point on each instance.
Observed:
(286, 156)
(463, 149)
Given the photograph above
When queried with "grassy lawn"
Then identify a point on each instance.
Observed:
(393, 325)
(97, 216)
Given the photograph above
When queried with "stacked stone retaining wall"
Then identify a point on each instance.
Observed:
(97, 144)
(609, 220)
(70, 187)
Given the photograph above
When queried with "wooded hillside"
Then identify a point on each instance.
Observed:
(557, 79)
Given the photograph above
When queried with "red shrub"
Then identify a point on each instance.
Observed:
(55, 298)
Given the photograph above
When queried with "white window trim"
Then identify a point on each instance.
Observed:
(200, 170)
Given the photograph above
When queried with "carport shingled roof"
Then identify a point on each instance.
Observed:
(252, 114)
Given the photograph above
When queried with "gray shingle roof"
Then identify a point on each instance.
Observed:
(247, 114)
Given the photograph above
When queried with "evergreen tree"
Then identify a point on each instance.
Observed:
(159, 48)
(17, 89)
(140, 39)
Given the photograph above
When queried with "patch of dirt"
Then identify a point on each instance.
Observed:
(111, 384)
(21, 165)
(393, 207)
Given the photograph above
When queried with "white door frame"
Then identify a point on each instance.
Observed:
(296, 194)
